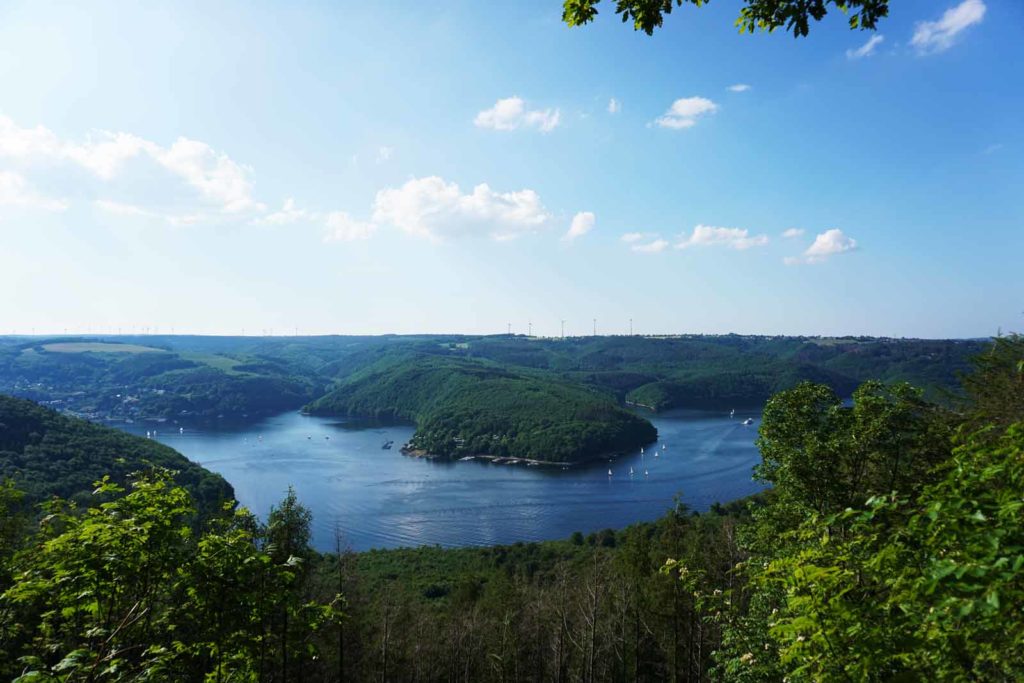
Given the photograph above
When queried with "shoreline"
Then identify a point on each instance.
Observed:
(510, 460)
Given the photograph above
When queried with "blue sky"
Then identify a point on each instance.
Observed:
(417, 167)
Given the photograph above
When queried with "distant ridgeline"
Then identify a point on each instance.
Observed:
(183, 378)
(146, 378)
(467, 407)
(47, 454)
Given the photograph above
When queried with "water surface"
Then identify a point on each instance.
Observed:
(380, 498)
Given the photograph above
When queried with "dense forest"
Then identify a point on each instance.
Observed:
(890, 547)
(467, 408)
(49, 455)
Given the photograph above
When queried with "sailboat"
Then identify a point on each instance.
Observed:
(645, 473)
(609, 473)
(732, 413)
(641, 450)
(631, 471)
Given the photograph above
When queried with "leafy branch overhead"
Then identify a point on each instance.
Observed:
(756, 15)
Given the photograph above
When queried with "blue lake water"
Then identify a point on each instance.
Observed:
(382, 499)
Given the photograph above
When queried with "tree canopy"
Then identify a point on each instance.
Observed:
(756, 15)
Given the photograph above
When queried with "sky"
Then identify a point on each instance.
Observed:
(462, 166)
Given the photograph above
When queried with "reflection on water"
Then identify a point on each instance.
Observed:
(380, 498)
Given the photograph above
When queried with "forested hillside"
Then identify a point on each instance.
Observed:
(190, 378)
(136, 379)
(463, 407)
(890, 547)
(46, 454)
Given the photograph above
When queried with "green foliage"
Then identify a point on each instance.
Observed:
(124, 590)
(995, 387)
(47, 454)
(918, 588)
(892, 544)
(756, 15)
(463, 407)
(822, 456)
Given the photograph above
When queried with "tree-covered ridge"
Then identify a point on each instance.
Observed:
(188, 378)
(723, 371)
(47, 454)
(467, 407)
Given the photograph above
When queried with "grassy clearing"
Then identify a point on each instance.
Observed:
(98, 347)
(222, 363)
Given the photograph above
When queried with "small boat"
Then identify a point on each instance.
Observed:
(645, 473)
(387, 445)
(749, 421)
(309, 438)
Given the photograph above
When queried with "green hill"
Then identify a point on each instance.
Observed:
(48, 454)
(466, 407)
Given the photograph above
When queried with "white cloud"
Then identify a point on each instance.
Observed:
(511, 113)
(104, 153)
(18, 192)
(867, 49)
(218, 179)
(435, 209)
(343, 228)
(289, 213)
(122, 209)
(631, 237)
(739, 87)
(651, 247)
(614, 106)
(582, 223)
(685, 111)
(936, 36)
(826, 244)
(734, 238)
(792, 232)
(216, 176)
(384, 154)
(23, 143)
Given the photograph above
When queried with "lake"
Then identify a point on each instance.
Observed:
(380, 498)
